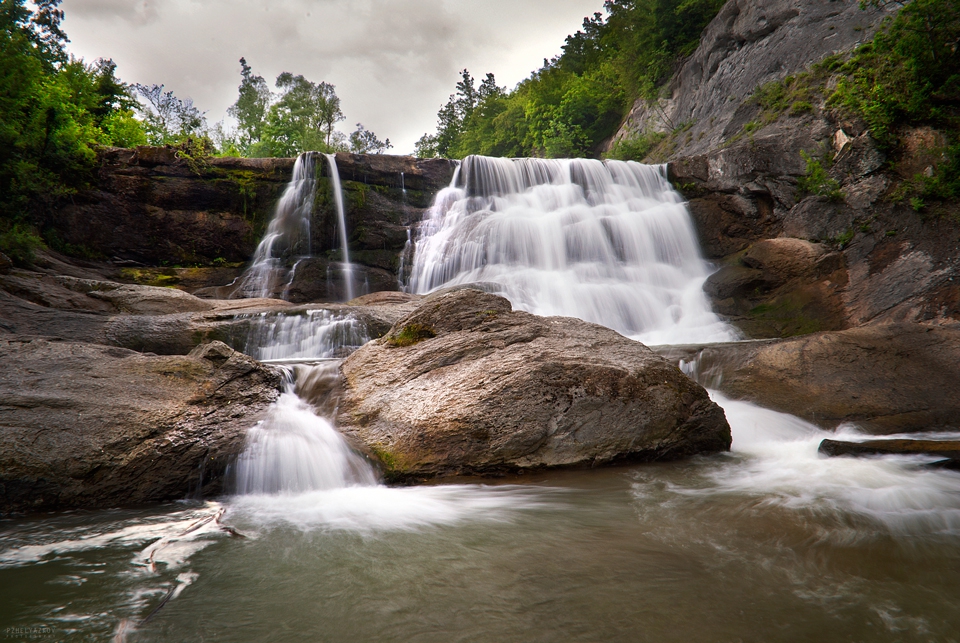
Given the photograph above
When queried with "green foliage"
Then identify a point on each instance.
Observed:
(363, 141)
(168, 119)
(53, 112)
(909, 73)
(577, 100)
(20, 243)
(818, 181)
(636, 148)
(300, 117)
(250, 110)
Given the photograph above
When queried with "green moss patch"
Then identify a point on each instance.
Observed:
(411, 334)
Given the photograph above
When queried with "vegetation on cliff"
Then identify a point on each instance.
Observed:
(53, 111)
(909, 75)
(578, 99)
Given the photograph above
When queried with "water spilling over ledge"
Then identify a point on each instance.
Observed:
(609, 242)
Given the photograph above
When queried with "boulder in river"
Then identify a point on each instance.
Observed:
(464, 384)
(83, 425)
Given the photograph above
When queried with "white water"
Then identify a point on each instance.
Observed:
(776, 459)
(288, 234)
(342, 225)
(609, 242)
(311, 335)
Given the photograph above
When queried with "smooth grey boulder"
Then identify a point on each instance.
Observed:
(464, 384)
(888, 378)
(83, 425)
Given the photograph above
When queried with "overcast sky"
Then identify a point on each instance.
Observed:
(393, 62)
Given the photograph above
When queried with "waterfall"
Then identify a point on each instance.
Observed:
(315, 334)
(342, 222)
(288, 234)
(609, 242)
(294, 450)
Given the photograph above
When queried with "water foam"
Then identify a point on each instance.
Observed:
(609, 242)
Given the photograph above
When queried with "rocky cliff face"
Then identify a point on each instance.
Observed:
(869, 257)
(748, 44)
(153, 209)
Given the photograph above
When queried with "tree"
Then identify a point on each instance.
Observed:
(54, 110)
(302, 119)
(363, 141)
(251, 107)
(169, 119)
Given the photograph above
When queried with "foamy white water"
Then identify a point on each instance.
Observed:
(297, 469)
(779, 462)
(609, 242)
(313, 334)
(288, 234)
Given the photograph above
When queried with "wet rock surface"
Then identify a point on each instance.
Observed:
(887, 378)
(85, 425)
(947, 452)
(464, 384)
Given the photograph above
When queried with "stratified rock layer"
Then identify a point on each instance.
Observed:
(83, 425)
(466, 385)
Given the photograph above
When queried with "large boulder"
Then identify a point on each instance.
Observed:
(464, 384)
(887, 378)
(84, 425)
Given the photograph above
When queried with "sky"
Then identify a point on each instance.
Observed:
(393, 62)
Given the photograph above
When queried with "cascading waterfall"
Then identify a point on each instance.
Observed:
(606, 241)
(288, 234)
(315, 334)
(293, 450)
(342, 224)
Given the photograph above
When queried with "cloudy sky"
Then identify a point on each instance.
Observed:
(394, 62)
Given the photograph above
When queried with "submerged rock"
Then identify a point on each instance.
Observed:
(948, 450)
(83, 425)
(464, 384)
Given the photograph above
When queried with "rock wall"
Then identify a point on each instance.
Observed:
(869, 257)
(153, 209)
(748, 44)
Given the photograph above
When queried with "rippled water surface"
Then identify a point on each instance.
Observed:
(714, 549)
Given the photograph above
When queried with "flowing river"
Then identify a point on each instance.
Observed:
(769, 542)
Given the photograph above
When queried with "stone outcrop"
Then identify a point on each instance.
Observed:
(749, 43)
(85, 425)
(464, 384)
(153, 207)
(887, 378)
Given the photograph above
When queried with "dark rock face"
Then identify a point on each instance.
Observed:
(887, 378)
(466, 385)
(151, 206)
(83, 425)
(154, 208)
(948, 450)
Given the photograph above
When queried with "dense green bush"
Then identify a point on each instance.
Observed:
(54, 110)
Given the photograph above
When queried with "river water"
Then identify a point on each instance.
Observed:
(769, 542)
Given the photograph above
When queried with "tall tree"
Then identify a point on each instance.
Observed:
(251, 107)
(363, 141)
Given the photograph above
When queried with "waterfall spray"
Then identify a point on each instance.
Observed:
(342, 222)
